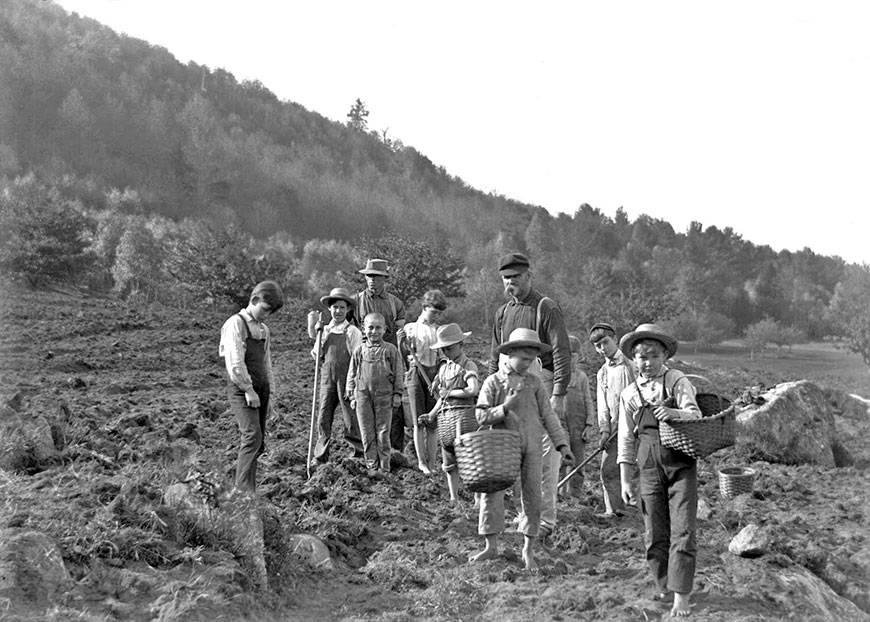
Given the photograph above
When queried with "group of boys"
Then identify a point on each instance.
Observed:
(535, 386)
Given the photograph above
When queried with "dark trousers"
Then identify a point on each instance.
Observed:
(397, 428)
(252, 427)
(669, 502)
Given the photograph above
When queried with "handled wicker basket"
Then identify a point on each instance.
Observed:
(699, 438)
(488, 458)
(449, 416)
(735, 480)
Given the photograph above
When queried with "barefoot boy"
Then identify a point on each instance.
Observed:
(374, 387)
(668, 478)
(518, 400)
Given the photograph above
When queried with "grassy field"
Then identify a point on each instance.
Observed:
(820, 362)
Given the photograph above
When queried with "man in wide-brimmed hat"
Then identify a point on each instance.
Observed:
(337, 342)
(668, 477)
(529, 309)
(376, 299)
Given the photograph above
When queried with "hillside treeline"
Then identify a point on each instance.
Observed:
(125, 170)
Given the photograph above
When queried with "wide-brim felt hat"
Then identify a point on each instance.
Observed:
(648, 331)
(338, 293)
(447, 335)
(376, 267)
(524, 338)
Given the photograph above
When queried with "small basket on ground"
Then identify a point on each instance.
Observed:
(449, 416)
(735, 480)
(699, 438)
(488, 458)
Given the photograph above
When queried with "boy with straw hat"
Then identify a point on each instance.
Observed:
(338, 340)
(517, 399)
(668, 477)
(457, 386)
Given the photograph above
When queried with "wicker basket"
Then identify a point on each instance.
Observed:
(699, 438)
(448, 417)
(735, 480)
(488, 458)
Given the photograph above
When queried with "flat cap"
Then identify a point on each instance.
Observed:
(514, 261)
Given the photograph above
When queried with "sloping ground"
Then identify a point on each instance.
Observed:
(135, 402)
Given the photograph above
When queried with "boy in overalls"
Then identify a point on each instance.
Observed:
(457, 385)
(374, 387)
(337, 340)
(668, 477)
(245, 346)
(517, 399)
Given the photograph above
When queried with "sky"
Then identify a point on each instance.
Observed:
(749, 114)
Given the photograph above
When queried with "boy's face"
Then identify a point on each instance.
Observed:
(606, 346)
(575, 359)
(374, 329)
(452, 351)
(520, 359)
(260, 310)
(338, 310)
(649, 359)
(431, 314)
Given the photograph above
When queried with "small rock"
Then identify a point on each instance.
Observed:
(312, 550)
(750, 542)
(704, 511)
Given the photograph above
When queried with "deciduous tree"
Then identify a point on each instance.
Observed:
(850, 310)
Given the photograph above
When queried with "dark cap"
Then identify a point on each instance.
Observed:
(602, 326)
(514, 261)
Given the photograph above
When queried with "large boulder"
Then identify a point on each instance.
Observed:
(32, 572)
(795, 425)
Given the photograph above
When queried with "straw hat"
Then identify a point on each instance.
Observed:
(648, 331)
(338, 293)
(524, 338)
(447, 335)
(376, 267)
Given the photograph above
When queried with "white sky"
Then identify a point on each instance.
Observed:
(752, 114)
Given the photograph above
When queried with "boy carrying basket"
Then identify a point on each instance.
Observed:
(516, 399)
(668, 477)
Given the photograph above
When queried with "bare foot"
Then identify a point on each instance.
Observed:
(483, 555)
(426, 470)
(682, 605)
(529, 560)
(660, 595)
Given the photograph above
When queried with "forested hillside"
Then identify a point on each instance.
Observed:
(126, 170)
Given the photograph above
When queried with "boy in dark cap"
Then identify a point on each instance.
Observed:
(616, 373)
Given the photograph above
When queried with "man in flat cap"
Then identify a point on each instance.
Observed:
(529, 309)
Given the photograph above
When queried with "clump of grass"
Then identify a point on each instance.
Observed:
(395, 569)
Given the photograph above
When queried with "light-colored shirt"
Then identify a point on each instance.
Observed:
(353, 335)
(652, 391)
(232, 348)
(419, 336)
(616, 374)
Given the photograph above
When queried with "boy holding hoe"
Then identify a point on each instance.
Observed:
(338, 340)
(668, 477)
(516, 399)
(616, 373)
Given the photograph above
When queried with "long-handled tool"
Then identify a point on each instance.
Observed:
(585, 462)
(317, 346)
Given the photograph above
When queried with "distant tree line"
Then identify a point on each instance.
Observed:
(123, 170)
